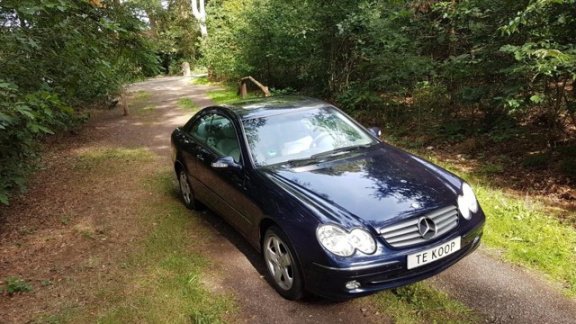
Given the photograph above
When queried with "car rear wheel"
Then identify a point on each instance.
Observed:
(186, 191)
(282, 266)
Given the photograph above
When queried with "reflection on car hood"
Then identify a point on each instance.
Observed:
(375, 187)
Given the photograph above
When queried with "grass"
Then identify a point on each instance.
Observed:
(227, 95)
(188, 104)
(161, 281)
(526, 234)
(223, 96)
(524, 230)
(203, 80)
(165, 275)
(112, 158)
(421, 303)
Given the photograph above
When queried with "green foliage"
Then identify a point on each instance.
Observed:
(56, 55)
(15, 285)
(173, 30)
(222, 50)
(23, 119)
(487, 58)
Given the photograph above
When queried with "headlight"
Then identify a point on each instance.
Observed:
(467, 202)
(343, 243)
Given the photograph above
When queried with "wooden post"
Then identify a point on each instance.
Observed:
(186, 69)
(243, 90)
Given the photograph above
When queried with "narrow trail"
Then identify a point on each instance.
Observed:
(36, 242)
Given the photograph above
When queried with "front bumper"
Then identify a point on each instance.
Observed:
(330, 282)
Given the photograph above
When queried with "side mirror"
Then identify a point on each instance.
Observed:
(226, 162)
(377, 132)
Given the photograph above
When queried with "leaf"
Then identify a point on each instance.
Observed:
(24, 110)
(536, 99)
(4, 199)
(7, 86)
(44, 129)
(6, 119)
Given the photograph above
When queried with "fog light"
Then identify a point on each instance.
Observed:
(350, 285)
(476, 239)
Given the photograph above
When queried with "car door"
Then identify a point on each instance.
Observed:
(193, 144)
(227, 184)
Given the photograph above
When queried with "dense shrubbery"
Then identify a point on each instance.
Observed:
(56, 55)
(490, 58)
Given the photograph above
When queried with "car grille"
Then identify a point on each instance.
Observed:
(406, 233)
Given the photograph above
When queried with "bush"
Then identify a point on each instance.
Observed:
(16, 285)
(23, 119)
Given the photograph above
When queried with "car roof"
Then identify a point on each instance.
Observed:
(263, 107)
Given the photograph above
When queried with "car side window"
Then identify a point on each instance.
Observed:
(199, 129)
(222, 137)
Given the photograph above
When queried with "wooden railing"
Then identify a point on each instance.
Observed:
(243, 90)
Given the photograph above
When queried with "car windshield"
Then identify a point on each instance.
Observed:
(301, 135)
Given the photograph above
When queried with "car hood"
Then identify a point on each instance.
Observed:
(376, 186)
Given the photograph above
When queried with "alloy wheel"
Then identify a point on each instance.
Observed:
(185, 188)
(279, 261)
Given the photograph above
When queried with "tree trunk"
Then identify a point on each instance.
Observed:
(199, 12)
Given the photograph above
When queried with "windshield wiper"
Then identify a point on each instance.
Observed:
(321, 157)
(339, 151)
(301, 162)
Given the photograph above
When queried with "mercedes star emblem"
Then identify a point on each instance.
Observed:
(427, 228)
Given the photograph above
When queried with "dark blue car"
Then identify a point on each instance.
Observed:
(334, 211)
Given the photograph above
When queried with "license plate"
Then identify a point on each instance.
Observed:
(436, 253)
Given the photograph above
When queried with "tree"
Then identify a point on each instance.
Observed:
(172, 27)
(494, 59)
(57, 56)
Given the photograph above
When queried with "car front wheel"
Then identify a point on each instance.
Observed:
(283, 269)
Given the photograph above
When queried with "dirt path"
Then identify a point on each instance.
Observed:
(43, 235)
(66, 235)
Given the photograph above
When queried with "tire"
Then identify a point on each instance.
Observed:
(186, 192)
(282, 266)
